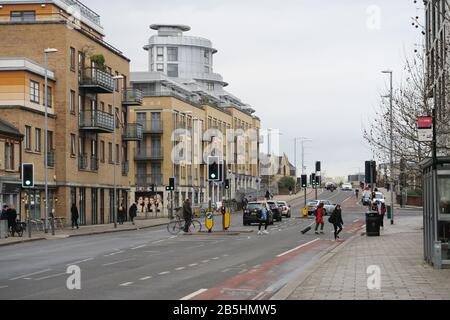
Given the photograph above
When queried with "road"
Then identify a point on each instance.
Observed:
(154, 265)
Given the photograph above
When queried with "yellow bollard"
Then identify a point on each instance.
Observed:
(305, 212)
(209, 222)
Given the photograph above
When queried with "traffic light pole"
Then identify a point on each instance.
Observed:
(27, 206)
(171, 204)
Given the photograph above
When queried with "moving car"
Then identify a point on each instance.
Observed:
(285, 208)
(366, 199)
(331, 186)
(327, 205)
(276, 210)
(251, 213)
(347, 187)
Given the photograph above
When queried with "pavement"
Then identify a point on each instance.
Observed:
(342, 273)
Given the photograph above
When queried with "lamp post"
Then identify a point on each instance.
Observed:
(46, 52)
(391, 143)
(116, 155)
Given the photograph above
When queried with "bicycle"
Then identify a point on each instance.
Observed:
(175, 227)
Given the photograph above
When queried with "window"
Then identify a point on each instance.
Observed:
(72, 145)
(102, 151)
(72, 101)
(110, 156)
(159, 54)
(37, 141)
(72, 59)
(210, 86)
(206, 69)
(117, 118)
(34, 91)
(49, 140)
(23, 15)
(160, 67)
(102, 106)
(9, 156)
(110, 109)
(27, 138)
(172, 70)
(117, 154)
(206, 56)
(172, 54)
(116, 82)
(49, 96)
(80, 103)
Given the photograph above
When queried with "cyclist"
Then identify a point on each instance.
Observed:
(187, 214)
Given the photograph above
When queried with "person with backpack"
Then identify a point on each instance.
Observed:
(133, 213)
(74, 216)
(319, 218)
(121, 214)
(336, 220)
(263, 217)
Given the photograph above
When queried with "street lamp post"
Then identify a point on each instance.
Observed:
(46, 52)
(391, 143)
(116, 155)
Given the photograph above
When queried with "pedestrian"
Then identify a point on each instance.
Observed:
(4, 214)
(357, 193)
(121, 214)
(74, 216)
(382, 212)
(336, 220)
(245, 203)
(263, 219)
(133, 213)
(267, 195)
(187, 214)
(319, 218)
(11, 213)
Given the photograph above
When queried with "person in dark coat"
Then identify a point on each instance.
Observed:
(121, 214)
(11, 213)
(133, 213)
(187, 214)
(4, 214)
(75, 216)
(336, 220)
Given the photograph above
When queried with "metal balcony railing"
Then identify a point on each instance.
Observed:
(125, 168)
(96, 80)
(149, 154)
(82, 162)
(132, 132)
(144, 180)
(51, 158)
(94, 163)
(132, 97)
(98, 121)
(152, 126)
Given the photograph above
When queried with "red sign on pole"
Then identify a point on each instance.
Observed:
(425, 123)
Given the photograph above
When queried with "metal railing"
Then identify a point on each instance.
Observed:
(94, 163)
(96, 120)
(171, 94)
(97, 79)
(133, 132)
(82, 161)
(51, 158)
(152, 126)
(149, 154)
(149, 179)
(125, 168)
(132, 97)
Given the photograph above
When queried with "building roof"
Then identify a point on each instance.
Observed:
(25, 64)
(8, 129)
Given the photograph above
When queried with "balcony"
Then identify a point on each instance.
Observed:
(145, 180)
(51, 158)
(132, 132)
(96, 80)
(97, 121)
(150, 154)
(125, 168)
(94, 163)
(82, 162)
(132, 97)
(152, 126)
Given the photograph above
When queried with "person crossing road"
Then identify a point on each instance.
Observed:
(319, 219)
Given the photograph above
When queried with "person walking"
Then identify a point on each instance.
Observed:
(187, 214)
(267, 195)
(74, 216)
(133, 213)
(4, 214)
(121, 213)
(263, 219)
(336, 220)
(245, 203)
(11, 213)
(319, 218)
(382, 212)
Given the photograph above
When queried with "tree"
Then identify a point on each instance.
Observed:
(286, 183)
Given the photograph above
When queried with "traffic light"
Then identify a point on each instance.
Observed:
(27, 175)
(304, 181)
(318, 166)
(214, 169)
(318, 180)
(171, 186)
(227, 184)
(371, 172)
(313, 179)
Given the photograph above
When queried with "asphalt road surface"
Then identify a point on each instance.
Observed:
(153, 265)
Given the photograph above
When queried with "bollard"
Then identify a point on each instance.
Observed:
(226, 221)
(209, 223)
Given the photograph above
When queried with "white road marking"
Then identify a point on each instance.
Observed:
(193, 265)
(3, 287)
(173, 237)
(226, 270)
(145, 278)
(116, 262)
(259, 296)
(180, 268)
(139, 247)
(113, 254)
(159, 241)
(299, 247)
(52, 276)
(205, 261)
(356, 220)
(194, 294)
(226, 255)
(126, 284)
(31, 274)
(215, 258)
(164, 273)
(78, 262)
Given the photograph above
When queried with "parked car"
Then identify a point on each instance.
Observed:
(379, 197)
(276, 210)
(347, 187)
(366, 199)
(285, 209)
(327, 205)
(251, 213)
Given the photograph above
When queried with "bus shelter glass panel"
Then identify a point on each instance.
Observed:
(444, 214)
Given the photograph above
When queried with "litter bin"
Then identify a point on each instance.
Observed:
(373, 224)
(3, 229)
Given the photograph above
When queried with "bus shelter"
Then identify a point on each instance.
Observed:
(437, 212)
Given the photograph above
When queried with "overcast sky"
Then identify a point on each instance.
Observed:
(310, 68)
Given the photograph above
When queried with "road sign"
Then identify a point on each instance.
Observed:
(425, 129)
